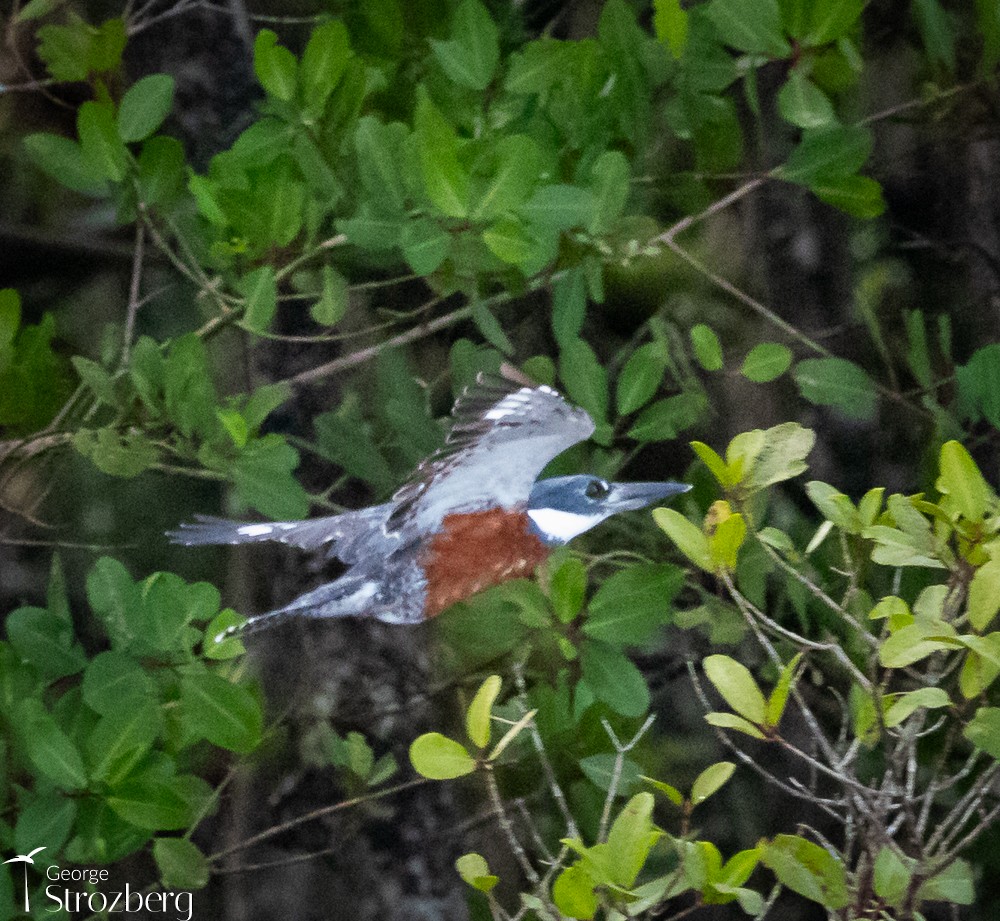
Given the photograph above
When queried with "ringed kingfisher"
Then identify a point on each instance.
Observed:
(472, 515)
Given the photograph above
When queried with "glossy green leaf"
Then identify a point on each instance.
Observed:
(121, 739)
(911, 644)
(907, 704)
(710, 780)
(779, 695)
(181, 863)
(766, 361)
(439, 758)
(707, 349)
(839, 383)
(750, 25)
(609, 184)
(476, 872)
(573, 894)
(263, 478)
(478, 716)
(446, 181)
(630, 839)
(377, 156)
(808, 869)
(157, 804)
(724, 544)
(145, 106)
(275, 66)
(827, 153)
(737, 686)
(614, 678)
(560, 207)
(672, 793)
(113, 681)
(688, 537)
(518, 160)
(226, 714)
(584, 377)
(892, 877)
(962, 482)
(984, 595)
(260, 288)
(804, 104)
(103, 149)
(323, 63)
(859, 196)
(64, 161)
(425, 244)
(631, 606)
(470, 57)
(49, 749)
(953, 884)
(732, 721)
(45, 641)
(567, 587)
(44, 816)
(670, 23)
(640, 378)
(334, 299)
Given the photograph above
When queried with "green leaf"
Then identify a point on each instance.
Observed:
(156, 804)
(260, 288)
(120, 740)
(632, 605)
(766, 361)
(911, 644)
(477, 717)
(63, 160)
(569, 306)
(906, 704)
(518, 161)
(584, 377)
(610, 186)
(224, 713)
(345, 438)
(826, 22)
(573, 894)
(839, 383)
(425, 244)
(808, 869)
(48, 748)
(216, 644)
(952, 884)
(670, 23)
(113, 681)
(711, 780)
(614, 679)
(470, 57)
(181, 864)
(44, 816)
(487, 324)
(145, 106)
(439, 758)
(114, 597)
(688, 537)
(962, 482)
(737, 686)
(103, 149)
(263, 478)
(333, 302)
(984, 595)
(936, 32)
(707, 349)
(779, 695)
(446, 182)
(323, 63)
(630, 839)
(561, 207)
(640, 378)
(45, 641)
(750, 25)
(732, 721)
(275, 66)
(725, 542)
(567, 587)
(827, 153)
(376, 147)
(983, 731)
(804, 104)
(856, 195)
(892, 877)
(476, 872)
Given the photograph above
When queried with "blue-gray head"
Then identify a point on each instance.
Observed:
(562, 507)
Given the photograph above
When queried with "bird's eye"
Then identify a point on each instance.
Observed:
(596, 489)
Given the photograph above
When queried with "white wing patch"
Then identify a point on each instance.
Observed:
(255, 530)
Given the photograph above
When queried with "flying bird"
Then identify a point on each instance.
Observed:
(472, 515)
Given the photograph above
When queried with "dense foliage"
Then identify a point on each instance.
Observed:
(414, 194)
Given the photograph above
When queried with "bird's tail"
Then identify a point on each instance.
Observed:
(347, 597)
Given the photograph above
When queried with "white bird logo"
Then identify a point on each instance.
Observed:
(25, 859)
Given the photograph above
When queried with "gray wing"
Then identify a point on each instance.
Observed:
(502, 438)
(347, 537)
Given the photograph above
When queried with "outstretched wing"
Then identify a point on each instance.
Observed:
(346, 537)
(503, 435)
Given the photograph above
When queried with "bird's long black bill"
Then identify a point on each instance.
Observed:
(628, 496)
